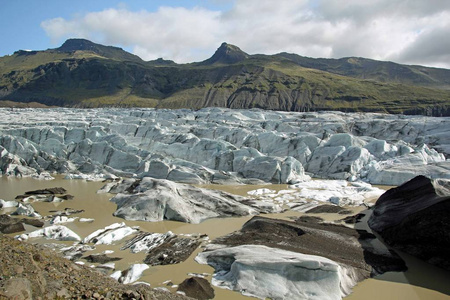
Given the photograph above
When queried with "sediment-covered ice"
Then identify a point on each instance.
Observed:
(8, 204)
(26, 210)
(339, 192)
(223, 146)
(265, 272)
(154, 200)
(147, 241)
(55, 232)
(130, 275)
(109, 234)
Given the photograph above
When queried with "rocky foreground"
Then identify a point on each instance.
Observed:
(217, 145)
(32, 272)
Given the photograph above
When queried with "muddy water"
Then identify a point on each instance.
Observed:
(421, 281)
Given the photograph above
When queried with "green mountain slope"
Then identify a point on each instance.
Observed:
(382, 71)
(84, 74)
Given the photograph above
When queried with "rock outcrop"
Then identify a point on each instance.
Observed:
(13, 225)
(415, 218)
(197, 288)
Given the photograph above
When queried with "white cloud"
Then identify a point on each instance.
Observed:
(406, 31)
(172, 33)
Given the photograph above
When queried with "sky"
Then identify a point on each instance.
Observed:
(403, 31)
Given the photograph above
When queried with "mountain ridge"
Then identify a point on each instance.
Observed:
(226, 54)
(81, 73)
(72, 45)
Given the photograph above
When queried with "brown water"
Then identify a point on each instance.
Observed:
(421, 281)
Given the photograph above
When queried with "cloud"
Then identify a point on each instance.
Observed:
(174, 33)
(406, 31)
(432, 45)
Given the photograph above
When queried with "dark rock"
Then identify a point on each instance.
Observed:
(196, 287)
(365, 235)
(174, 251)
(12, 228)
(415, 218)
(309, 219)
(47, 191)
(328, 209)
(33, 222)
(13, 225)
(66, 212)
(353, 219)
(5, 219)
(100, 258)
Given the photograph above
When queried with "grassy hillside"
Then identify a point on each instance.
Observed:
(99, 76)
(383, 71)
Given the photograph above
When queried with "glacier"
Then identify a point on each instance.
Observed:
(218, 145)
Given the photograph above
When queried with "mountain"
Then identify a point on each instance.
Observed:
(226, 54)
(81, 73)
(73, 45)
(382, 71)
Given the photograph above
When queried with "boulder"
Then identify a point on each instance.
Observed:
(100, 258)
(415, 218)
(13, 225)
(197, 288)
(11, 228)
(8, 225)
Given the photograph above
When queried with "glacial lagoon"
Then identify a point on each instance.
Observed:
(421, 281)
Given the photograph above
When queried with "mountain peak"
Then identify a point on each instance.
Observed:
(226, 54)
(78, 44)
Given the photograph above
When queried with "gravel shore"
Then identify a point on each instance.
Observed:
(34, 272)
